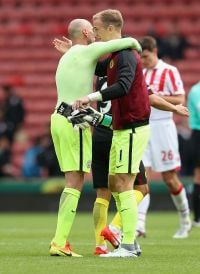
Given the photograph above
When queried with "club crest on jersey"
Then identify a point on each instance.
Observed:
(111, 65)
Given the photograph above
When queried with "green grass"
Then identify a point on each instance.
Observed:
(24, 241)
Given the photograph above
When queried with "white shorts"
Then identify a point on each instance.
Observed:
(162, 153)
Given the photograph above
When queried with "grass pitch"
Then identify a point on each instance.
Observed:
(25, 238)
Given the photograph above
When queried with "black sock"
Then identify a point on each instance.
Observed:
(196, 202)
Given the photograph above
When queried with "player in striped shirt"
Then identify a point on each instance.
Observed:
(162, 154)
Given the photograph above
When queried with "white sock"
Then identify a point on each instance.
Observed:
(142, 212)
(181, 203)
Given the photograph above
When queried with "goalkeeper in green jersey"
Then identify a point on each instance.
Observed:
(74, 79)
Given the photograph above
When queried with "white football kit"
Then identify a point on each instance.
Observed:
(162, 152)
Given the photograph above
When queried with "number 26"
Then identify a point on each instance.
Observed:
(167, 155)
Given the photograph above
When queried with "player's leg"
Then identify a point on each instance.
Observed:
(144, 204)
(115, 225)
(167, 160)
(142, 216)
(196, 197)
(113, 232)
(116, 222)
(66, 213)
(69, 146)
(179, 197)
(196, 188)
(122, 190)
(142, 186)
(100, 165)
(126, 153)
(100, 215)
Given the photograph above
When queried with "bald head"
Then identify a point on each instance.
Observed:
(77, 26)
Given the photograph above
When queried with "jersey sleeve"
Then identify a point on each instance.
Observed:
(98, 49)
(175, 83)
(126, 67)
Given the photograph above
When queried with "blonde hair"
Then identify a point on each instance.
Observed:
(110, 17)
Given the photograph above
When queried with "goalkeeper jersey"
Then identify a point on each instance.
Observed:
(74, 75)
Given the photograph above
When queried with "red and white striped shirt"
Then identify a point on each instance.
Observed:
(163, 79)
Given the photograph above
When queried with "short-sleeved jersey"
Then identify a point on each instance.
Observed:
(166, 80)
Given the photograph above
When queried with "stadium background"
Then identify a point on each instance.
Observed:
(28, 62)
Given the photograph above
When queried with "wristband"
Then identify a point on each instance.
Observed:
(95, 96)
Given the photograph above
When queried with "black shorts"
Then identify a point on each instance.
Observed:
(195, 140)
(100, 165)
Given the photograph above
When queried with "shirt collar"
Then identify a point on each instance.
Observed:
(159, 64)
